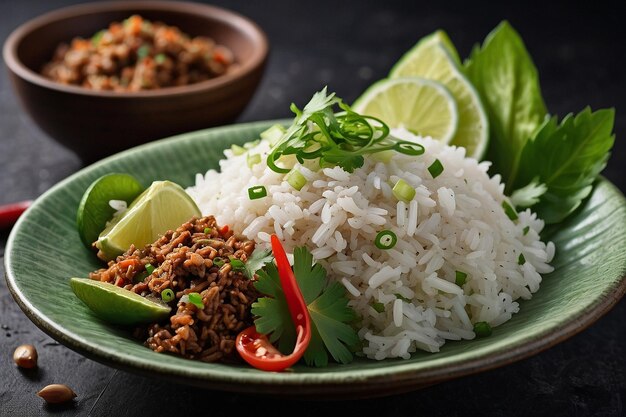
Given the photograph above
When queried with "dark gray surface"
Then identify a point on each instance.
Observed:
(581, 57)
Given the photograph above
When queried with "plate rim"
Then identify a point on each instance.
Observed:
(398, 377)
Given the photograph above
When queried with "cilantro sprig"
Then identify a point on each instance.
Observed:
(256, 261)
(336, 139)
(327, 304)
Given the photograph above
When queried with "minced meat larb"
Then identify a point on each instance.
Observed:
(138, 55)
(195, 258)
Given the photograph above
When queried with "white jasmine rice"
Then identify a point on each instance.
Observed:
(455, 222)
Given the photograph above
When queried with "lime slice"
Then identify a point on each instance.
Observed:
(163, 206)
(435, 58)
(116, 305)
(94, 210)
(424, 107)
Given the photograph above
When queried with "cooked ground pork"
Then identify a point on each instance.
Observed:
(138, 55)
(195, 258)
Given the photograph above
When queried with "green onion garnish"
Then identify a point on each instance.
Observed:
(386, 239)
(296, 179)
(143, 51)
(149, 268)
(379, 307)
(339, 138)
(521, 260)
(482, 329)
(436, 168)
(403, 191)
(237, 150)
(253, 160)
(273, 134)
(167, 295)
(236, 263)
(207, 230)
(526, 230)
(95, 39)
(510, 211)
(140, 277)
(461, 278)
(196, 299)
(400, 297)
(252, 144)
(218, 261)
(257, 192)
(160, 58)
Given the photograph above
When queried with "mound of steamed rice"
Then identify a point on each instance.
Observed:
(454, 223)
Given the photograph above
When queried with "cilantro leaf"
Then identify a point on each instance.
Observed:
(256, 261)
(327, 304)
(330, 313)
(272, 312)
(566, 158)
(507, 81)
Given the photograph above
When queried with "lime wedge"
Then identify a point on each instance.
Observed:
(424, 107)
(116, 305)
(435, 58)
(94, 210)
(163, 206)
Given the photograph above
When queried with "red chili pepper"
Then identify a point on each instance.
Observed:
(255, 348)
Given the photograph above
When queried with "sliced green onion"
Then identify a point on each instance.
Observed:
(207, 230)
(167, 295)
(196, 299)
(386, 239)
(273, 134)
(296, 179)
(521, 260)
(526, 230)
(400, 297)
(482, 329)
(149, 268)
(436, 168)
(140, 277)
(379, 307)
(160, 58)
(253, 160)
(403, 191)
(252, 144)
(461, 278)
(237, 150)
(384, 156)
(257, 192)
(95, 39)
(236, 263)
(218, 261)
(510, 211)
(143, 51)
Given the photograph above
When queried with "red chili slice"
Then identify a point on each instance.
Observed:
(254, 347)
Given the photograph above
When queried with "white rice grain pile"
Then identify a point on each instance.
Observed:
(454, 223)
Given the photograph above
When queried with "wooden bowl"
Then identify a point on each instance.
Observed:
(98, 123)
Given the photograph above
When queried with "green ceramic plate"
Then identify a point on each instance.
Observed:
(44, 251)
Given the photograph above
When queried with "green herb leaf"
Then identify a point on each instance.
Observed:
(256, 261)
(506, 79)
(566, 158)
(328, 306)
